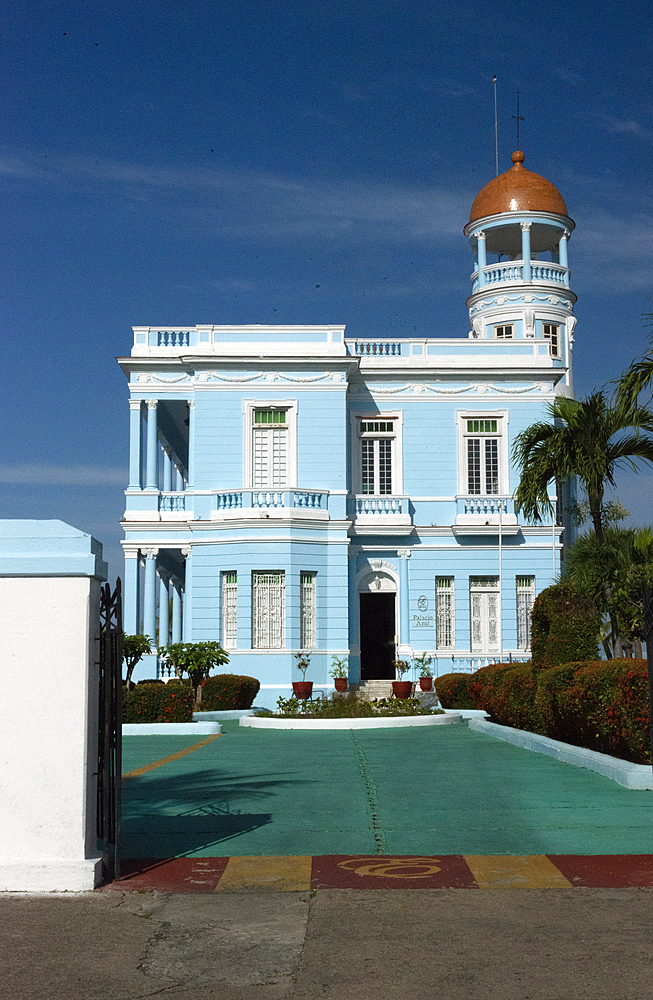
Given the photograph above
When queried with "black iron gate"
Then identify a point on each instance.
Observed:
(110, 729)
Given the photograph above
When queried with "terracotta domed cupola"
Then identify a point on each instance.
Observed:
(518, 190)
(519, 231)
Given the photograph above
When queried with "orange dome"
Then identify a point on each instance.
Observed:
(518, 190)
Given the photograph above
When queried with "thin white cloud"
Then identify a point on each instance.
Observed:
(625, 126)
(258, 206)
(38, 474)
(627, 248)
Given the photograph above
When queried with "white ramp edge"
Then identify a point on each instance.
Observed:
(635, 776)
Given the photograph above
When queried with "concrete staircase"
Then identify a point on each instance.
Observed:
(374, 689)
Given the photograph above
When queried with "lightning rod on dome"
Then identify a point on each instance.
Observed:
(518, 118)
(496, 132)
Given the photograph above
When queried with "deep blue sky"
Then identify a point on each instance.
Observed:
(309, 162)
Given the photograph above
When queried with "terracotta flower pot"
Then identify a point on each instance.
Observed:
(302, 689)
(340, 683)
(426, 683)
(402, 689)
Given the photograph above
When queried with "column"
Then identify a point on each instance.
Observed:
(562, 251)
(404, 599)
(187, 551)
(134, 445)
(167, 471)
(526, 250)
(191, 443)
(164, 609)
(149, 593)
(176, 611)
(152, 445)
(482, 258)
(131, 593)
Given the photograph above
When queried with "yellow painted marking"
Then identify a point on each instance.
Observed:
(274, 872)
(167, 760)
(534, 871)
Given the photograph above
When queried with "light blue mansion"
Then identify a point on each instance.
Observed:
(292, 488)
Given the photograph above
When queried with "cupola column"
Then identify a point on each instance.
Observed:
(526, 250)
(151, 478)
(482, 258)
(562, 250)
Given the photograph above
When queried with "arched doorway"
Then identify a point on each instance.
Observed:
(378, 625)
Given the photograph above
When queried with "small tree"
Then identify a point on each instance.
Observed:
(195, 659)
(134, 648)
(564, 627)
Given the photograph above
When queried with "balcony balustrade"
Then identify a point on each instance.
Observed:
(379, 509)
(513, 271)
(238, 503)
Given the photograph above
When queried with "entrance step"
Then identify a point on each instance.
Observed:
(369, 690)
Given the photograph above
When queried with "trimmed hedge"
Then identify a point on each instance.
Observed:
(506, 691)
(452, 691)
(598, 704)
(224, 692)
(158, 703)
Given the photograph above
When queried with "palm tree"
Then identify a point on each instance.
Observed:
(589, 439)
(637, 378)
(625, 561)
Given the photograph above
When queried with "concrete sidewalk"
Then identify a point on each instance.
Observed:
(581, 944)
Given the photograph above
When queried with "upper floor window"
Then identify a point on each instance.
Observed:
(270, 435)
(377, 456)
(505, 332)
(483, 461)
(551, 332)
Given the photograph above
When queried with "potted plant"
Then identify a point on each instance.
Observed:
(402, 689)
(423, 665)
(303, 689)
(339, 671)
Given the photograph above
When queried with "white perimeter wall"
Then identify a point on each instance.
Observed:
(48, 733)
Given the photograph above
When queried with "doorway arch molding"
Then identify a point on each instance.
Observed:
(377, 576)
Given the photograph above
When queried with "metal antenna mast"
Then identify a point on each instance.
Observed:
(496, 133)
(518, 118)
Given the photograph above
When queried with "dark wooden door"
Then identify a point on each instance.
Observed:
(377, 631)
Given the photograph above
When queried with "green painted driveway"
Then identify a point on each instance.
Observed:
(433, 791)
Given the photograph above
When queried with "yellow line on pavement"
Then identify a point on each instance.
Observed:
(275, 872)
(533, 871)
(167, 760)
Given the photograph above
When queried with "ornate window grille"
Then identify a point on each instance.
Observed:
(229, 610)
(307, 608)
(525, 599)
(484, 613)
(268, 610)
(445, 635)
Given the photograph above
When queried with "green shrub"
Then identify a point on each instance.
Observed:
(564, 627)
(158, 703)
(506, 691)
(453, 691)
(224, 692)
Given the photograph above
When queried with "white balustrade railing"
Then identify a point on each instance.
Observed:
(269, 499)
(511, 271)
(380, 506)
(484, 504)
(376, 348)
(172, 501)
